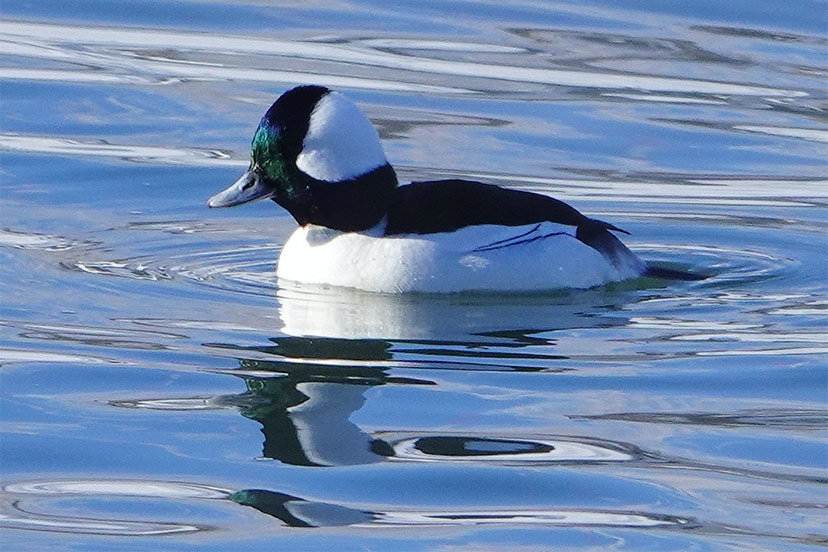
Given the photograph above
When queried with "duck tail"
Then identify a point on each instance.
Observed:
(670, 274)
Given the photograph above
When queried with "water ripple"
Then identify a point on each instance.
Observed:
(291, 510)
(126, 268)
(121, 49)
(23, 519)
(245, 269)
(117, 487)
(28, 355)
(793, 419)
(298, 512)
(575, 518)
(37, 241)
(21, 514)
(182, 404)
(134, 153)
(95, 336)
(686, 189)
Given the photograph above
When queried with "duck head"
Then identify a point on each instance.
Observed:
(318, 156)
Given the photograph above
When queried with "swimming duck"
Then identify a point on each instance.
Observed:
(319, 157)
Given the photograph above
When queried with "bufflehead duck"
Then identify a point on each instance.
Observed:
(316, 154)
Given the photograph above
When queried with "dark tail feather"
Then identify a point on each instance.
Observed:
(671, 274)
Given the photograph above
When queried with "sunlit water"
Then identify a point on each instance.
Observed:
(161, 390)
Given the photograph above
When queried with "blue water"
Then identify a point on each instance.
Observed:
(162, 390)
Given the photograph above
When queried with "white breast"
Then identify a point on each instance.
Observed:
(536, 257)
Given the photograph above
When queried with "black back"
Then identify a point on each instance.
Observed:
(447, 205)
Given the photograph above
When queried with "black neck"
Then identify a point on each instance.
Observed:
(349, 206)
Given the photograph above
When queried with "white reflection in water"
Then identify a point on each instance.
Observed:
(291, 510)
(135, 38)
(65, 146)
(542, 517)
(296, 512)
(18, 355)
(808, 308)
(22, 515)
(725, 191)
(664, 99)
(45, 242)
(118, 487)
(349, 314)
(59, 75)
(39, 522)
(42, 39)
(440, 45)
(775, 351)
(813, 134)
(556, 451)
(185, 404)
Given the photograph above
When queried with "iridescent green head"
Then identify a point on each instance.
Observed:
(267, 154)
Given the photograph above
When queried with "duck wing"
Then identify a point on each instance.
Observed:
(448, 205)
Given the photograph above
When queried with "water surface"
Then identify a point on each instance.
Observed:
(161, 389)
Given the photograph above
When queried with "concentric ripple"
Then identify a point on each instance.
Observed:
(726, 264)
(38, 241)
(242, 268)
(117, 487)
(26, 501)
(22, 519)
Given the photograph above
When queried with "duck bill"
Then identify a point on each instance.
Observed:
(249, 187)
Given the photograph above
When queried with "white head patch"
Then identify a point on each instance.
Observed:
(341, 142)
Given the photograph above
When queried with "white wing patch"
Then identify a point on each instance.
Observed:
(341, 143)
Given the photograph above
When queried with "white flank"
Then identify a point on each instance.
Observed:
(535, 257)
(341, 142)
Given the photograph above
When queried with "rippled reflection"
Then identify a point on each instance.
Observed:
(143, 154)
(117, 487)
(305, 411)
(348, 314)
(297, 512)
(505, 451)
(22, 519)
(293, 511)
(22, 39)
(794, 419)
(37, 241)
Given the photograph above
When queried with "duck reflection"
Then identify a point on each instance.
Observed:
(304, 387)
(298, 512)
(467, 318)
(305, 410)
(294, 511)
